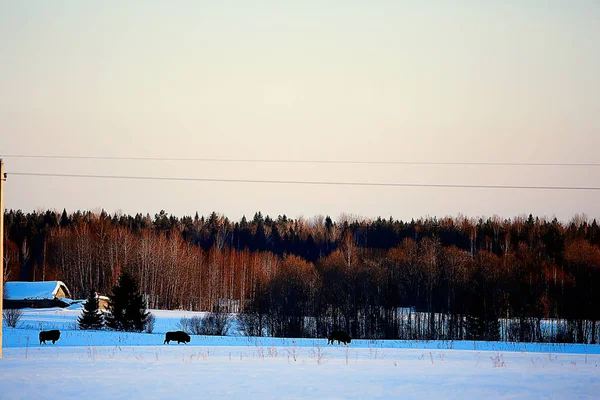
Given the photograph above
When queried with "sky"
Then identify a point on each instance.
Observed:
(482, 81)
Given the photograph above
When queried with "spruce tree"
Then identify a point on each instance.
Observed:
(126, 307)
(91, 317)
(492, 328)
(475, 329)
(64, 219)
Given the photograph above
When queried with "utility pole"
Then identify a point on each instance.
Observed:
(2, 180)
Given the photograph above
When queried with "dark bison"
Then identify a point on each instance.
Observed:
(177, 336)
(53, 335)
(340, 336)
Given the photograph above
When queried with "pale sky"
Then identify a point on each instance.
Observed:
(434, 81)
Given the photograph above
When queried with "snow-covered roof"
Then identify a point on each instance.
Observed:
(34, 290)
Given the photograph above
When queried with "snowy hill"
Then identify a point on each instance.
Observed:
(117, 365)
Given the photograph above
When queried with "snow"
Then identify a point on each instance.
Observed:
(116, 365)
(33, 290)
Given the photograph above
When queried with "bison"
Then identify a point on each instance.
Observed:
(178, 336)
(53, 335)
(340, 336)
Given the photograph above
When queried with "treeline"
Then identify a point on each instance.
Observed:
(522, 279)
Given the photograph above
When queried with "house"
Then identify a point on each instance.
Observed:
(36, 294)
(102, 302)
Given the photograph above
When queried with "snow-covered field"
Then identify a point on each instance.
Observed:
(113, 365)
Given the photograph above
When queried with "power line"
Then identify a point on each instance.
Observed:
(299, 161)
(330, 183)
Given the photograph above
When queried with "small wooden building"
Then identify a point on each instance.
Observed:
(36, 294)
(102, 302)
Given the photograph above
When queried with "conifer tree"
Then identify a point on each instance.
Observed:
(475, 328)
(126, 307)
(91, 317)
(492, 329)
(64, 219)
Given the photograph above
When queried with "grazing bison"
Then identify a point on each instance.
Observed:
(340, 336)
(53, 335)
(178, 336)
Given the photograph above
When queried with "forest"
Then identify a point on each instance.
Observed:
(522, 279)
